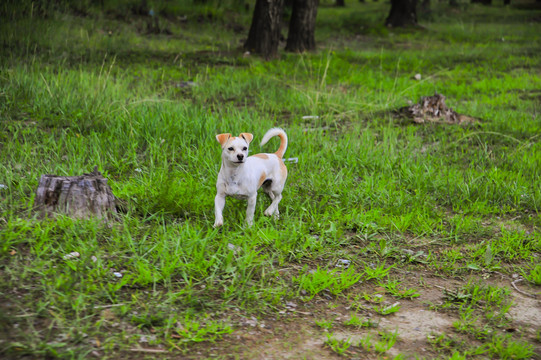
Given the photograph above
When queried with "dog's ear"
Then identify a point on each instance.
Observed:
(222, 138)
(247, 136)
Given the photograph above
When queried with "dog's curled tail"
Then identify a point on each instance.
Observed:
(283, 140)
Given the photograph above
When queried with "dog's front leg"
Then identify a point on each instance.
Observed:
(219, 203)
(250, 209)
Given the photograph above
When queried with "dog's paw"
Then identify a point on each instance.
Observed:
(270, 212)
(218, 224)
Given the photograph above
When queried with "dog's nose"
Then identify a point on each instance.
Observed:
(240, 157)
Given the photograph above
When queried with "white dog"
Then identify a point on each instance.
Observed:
(241, 176)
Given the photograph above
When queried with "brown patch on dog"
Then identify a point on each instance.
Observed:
(261, 156)
(262, 179)
(247, 136)
(222, 138)
(283, 145)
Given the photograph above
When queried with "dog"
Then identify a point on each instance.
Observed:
(241, 175)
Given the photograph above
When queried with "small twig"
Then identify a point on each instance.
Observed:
(155, 351)
(176, 347)
(502, 274)
(441, 287)
(24, 315)
(107, 306)
(520, 291)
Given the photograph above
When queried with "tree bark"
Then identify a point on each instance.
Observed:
(424, 8)
(264, 35)
(403, 13)
(76, 196)
(302, 27)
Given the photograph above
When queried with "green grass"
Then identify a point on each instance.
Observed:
(404, 203)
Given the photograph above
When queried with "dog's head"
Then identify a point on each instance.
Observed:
(235, 149)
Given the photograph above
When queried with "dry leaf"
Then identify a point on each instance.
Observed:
(433, 109)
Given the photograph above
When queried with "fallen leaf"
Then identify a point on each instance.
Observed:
(433, 109)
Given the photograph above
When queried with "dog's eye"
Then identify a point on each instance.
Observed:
(230, 149)
(245, 148)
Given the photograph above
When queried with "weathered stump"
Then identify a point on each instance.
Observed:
(76, 196)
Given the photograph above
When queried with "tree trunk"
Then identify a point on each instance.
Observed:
(302, 26)
(264, 35)
(424, 8)
(340, 3)
(484, 2)
(76, 196)
(403, 13)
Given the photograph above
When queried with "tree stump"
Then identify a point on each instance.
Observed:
(82, 196)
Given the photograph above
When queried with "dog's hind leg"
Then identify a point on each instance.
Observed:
(269, 192)
(273, 208)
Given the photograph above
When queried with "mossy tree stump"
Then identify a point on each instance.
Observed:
(83, 196)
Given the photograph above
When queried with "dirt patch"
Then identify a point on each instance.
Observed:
(295, 334)
(526, 312)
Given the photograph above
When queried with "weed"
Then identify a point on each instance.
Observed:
(393, 287)
(325, 324)
(315, 282)
(198, 330)
(375, 298)
(457, 356)
(334, 280)
(338, 346)
(445, 342)
(366, 343)
(376, 272)
(532, 273)
(386, 342)
(387, 310)
(355, 321)
(469, 324)
(507, 348)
